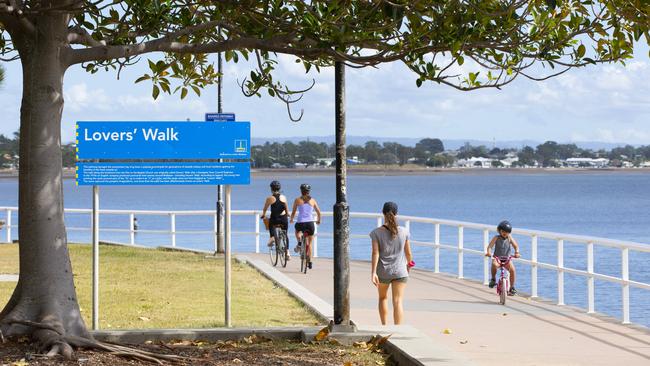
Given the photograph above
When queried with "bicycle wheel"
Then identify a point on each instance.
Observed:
(503, 290)
(282, 248)
(303, 258)
(273, 249)
(307, 256)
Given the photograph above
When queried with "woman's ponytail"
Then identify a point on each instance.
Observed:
(391, 223)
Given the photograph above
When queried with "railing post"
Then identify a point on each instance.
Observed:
(533, 266)
(131, 229)
(407, 225)
(257, 232)
(486, 260)
(314, 243)
(590, 280)
(379, 221)
(560, 272)
(460, 251)
(436, 250)
(625, 274)
(8, 225)
(173, 228)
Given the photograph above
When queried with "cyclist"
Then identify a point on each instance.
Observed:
(305, 205)
(277, 202)
(502, 244)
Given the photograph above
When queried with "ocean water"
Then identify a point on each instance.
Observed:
(609, 205)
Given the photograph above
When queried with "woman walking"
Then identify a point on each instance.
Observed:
(391, 262)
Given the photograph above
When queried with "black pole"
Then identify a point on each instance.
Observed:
(341, 208)
(220, 221)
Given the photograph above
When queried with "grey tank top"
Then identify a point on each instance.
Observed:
(392, 260)
(501, 247)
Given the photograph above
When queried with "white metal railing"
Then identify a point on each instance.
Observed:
(459, 247)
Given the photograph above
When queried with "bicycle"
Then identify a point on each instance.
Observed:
(304, 246)
(280, 245)
(503, 285)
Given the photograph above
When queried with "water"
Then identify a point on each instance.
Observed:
(610, 205)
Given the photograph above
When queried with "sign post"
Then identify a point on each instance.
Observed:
(95, 257)
(219, 117)
(175, 153)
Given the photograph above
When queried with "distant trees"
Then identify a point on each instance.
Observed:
(431, 152)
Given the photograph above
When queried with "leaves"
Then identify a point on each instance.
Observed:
(322, 334)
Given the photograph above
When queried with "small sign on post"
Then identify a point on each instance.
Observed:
(220, 117)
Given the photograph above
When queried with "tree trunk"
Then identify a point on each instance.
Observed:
(44, 303)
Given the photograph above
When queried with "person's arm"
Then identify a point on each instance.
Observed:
(409, 255)
(515, 245)
(286, 205)
(293, 210)
(266, 206)
(375, 260)
(317, 212)
(492, 242)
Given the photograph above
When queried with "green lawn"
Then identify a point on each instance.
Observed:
(144, 288)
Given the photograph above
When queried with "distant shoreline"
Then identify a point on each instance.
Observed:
(381, 170)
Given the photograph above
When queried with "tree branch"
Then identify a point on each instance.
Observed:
(11, 8)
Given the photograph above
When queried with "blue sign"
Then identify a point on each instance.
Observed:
(194, 173)
(220, 117)
(163, 140)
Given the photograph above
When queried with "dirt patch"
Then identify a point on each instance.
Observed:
(250, 351)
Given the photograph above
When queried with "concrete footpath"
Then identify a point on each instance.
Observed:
(463, 322)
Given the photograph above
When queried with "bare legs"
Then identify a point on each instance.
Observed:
(397, 292)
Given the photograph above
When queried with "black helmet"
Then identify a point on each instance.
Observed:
(275, 185)
(305, 187)
(505, 226)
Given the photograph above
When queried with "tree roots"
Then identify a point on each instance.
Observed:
(53, 342)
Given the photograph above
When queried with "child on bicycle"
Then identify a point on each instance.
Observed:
(502, 244)
(305, 205)
(279, 211)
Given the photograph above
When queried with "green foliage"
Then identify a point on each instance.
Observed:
(465, 44)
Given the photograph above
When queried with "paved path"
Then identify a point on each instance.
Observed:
(524, 331)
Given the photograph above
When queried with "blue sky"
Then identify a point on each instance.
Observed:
(608, 103)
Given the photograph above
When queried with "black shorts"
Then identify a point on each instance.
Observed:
(282, 220)
(308, 228)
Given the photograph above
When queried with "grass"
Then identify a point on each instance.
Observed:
(145, 288)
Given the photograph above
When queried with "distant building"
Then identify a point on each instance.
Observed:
(474, 162)
(587, 162)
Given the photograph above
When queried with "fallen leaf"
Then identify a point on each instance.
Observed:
(236, 360)
(360, 344)
(446, 331)
(144, 318)
(322, 334)
(505, 314)
(334, 342)
(464, 342)
(22, 362)
(347, 363)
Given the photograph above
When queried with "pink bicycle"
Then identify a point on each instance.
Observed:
(503, 284)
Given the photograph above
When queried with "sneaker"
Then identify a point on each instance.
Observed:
(297, 248)
(492, 283)
(309, 265)
(512, 291)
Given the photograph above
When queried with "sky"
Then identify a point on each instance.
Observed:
(606, 103)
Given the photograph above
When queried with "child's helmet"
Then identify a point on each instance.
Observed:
(505, 226)
(275, 185)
